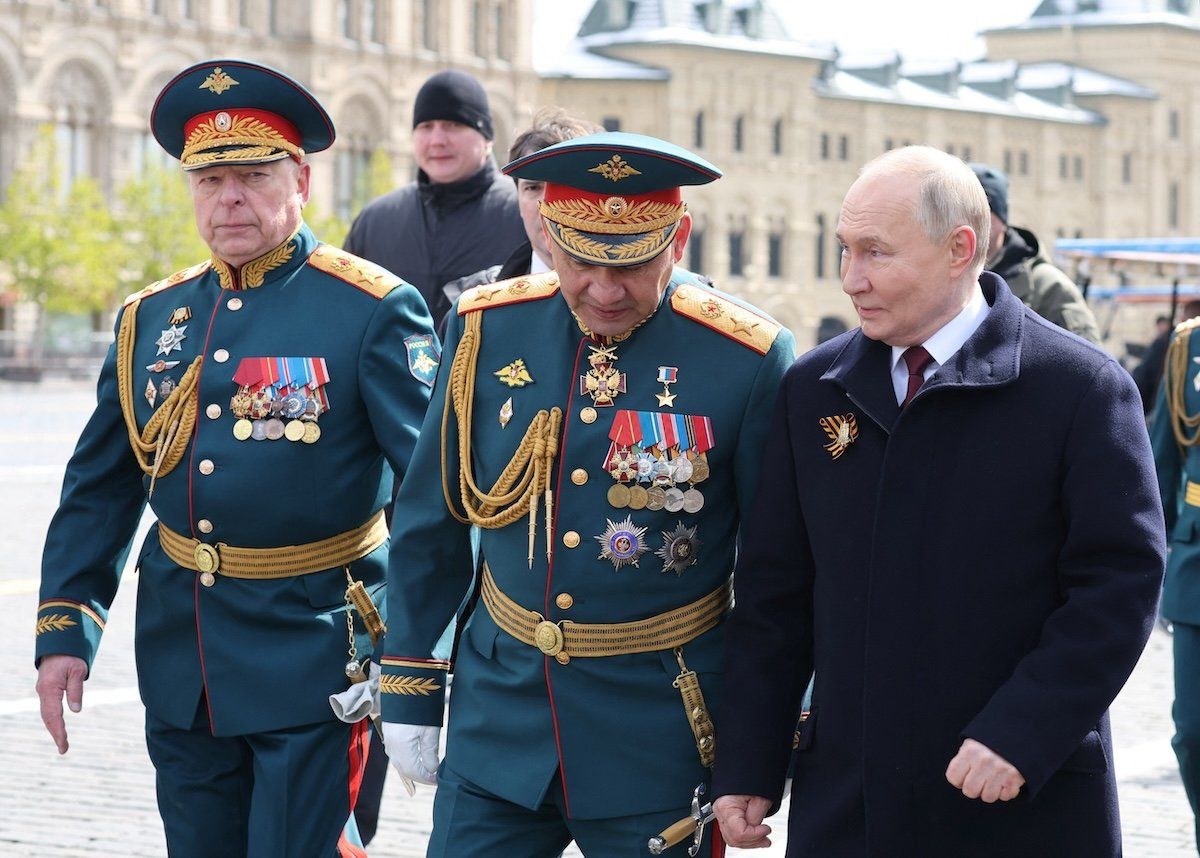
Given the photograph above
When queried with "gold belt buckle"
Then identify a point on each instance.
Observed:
(208, 561)
(549, 637)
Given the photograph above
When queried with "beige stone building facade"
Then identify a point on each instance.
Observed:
(1093, 111)
(92, 68)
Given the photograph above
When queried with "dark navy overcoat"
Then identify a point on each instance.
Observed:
(984, 564)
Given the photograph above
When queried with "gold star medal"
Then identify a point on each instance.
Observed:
(515, 374)
(622, 543)
(667, 375)
(842, 431)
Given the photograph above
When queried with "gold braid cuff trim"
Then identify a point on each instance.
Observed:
(1186, 427)
(527, 475)
(287, 561)
(722, 315)
(615, 216)
(596, 640)
(427, 664)
(515, 291)
(408, 685)
(159, 446)
(72, 606)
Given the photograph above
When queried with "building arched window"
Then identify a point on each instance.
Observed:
(777, 137)
(698, 130)
(358, 126)
(78, 106)
(739, 134)
(820, 255)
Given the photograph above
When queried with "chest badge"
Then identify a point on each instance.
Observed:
(622, 543)
(679, 549)
(515, 374)
(180, 315)
(603, 381)
(506, 412)
(171, 340)
(842, 430)
(667, 375)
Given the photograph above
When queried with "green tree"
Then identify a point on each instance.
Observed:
(32, 222)
(93, 253)
(155, 218)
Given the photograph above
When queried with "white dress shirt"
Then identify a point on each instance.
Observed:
(942, 345)
(536, 266)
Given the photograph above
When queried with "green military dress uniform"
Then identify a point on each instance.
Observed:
(603, 595)
(264, 414)
(1174, 436)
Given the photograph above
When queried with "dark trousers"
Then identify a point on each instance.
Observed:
(370, 794)
(265, 795)
(470, 822)
(1186, 713)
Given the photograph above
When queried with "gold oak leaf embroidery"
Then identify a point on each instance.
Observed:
(408, 685)
(53, 623)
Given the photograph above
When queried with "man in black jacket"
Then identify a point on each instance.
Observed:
(460, 214)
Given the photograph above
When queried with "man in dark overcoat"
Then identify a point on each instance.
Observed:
(958, 532)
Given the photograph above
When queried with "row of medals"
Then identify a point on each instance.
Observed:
(261, 416)
(662, 474)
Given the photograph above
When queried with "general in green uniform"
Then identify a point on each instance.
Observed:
(1174, 435)
(262, 402)
(602, 427)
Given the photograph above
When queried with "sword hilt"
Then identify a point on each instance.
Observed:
(690, 826)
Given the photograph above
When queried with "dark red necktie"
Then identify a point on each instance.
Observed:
(917, 359)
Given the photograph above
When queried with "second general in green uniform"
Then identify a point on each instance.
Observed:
(602, 427)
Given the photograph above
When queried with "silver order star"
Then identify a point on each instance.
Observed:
(171, 340)
(680, 549)
(622, 543)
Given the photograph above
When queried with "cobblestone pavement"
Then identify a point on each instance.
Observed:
(98, 800)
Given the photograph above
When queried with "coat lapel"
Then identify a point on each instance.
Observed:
(864, 370)
(990, 357)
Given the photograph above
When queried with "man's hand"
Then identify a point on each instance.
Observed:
(59, 674)
(741, 820)
(981, 773)
(413, 750)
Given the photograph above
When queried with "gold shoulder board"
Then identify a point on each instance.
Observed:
(367, 276)
(1187, 325)
(714, 310)
(167, 282)
(531, 287)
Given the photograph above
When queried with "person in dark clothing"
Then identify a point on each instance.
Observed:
(1016, 255)
(460, 214)
(550, 125)
(1148, 374)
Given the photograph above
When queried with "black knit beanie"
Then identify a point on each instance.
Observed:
(995, 185)
(456, 96)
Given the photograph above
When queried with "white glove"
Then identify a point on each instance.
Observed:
(413, 750)
(359, 700)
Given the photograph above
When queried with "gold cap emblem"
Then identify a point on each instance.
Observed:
(218, 81)
(615, 169)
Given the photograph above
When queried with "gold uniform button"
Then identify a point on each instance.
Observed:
(562, 658)
(220, 355)
(234, 304)
(204, 525)
(206, 466)
(570, 539)
(213, 411)
(588, 415)
(564, 600)
(579, 476)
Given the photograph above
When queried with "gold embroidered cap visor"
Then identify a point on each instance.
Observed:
(613, 198)
(216, 112)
